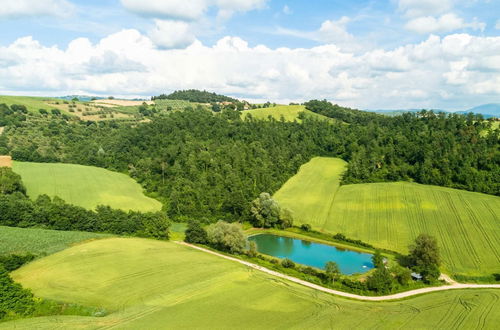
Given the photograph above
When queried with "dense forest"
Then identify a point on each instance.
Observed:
(212, 166)
(193, 95)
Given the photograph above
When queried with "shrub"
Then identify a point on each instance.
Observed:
(306, 227)
(14, 261)
(287, 263)
(252, 249)
(195, 233)
(227, 237)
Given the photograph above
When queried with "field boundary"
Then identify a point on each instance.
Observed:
(452, 284)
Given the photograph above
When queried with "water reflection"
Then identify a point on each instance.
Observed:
(312, 254)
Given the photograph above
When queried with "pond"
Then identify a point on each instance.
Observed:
(312, 254)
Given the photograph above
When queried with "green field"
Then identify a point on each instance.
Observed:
(391, 215)
(40, 241)
(289, 112)
(32, 103)
(313, 188)
(147, 284)
(85, 186)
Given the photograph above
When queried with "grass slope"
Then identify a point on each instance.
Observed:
(289, 112)
(391, 215)
(40, 241)
(33, 104)
(151, 284)
(85, 186)
(311, 192)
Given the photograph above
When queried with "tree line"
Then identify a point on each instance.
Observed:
(17, 210)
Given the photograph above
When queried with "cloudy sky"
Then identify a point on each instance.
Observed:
(366, 54)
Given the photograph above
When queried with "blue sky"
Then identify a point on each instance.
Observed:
(371, 54)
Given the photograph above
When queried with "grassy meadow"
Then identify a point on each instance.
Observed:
(152, 284)
(41, 241)
(391, 215)
(312, 190)
(33, 104)
(289, 112)
(84, 186)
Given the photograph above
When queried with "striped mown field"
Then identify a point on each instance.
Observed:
(391, 215)
(85, 186)
(311, 192)
(147, 284)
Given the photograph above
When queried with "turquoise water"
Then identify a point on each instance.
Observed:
(312, 254)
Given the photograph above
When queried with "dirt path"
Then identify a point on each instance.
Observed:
(451, 286)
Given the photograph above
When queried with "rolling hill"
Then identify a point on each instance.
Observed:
(151, 284)
(391, 215)
(85, 186)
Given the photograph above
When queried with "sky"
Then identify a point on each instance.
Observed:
(386, 54)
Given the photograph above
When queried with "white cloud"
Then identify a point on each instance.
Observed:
(444, 23)
(335, 32)
(189, 9)
(23, 8)
(419, 8)
(287, 10)
(172, 34)
(453, 71)
(330, 32)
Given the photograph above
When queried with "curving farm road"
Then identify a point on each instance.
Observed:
(451, 284)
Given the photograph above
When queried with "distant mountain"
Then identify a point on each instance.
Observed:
(83, 98)
(397, 112)
(487, 110)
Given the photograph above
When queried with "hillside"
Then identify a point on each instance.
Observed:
(391, 215)
(84, 186)
(33, 104)
(289, 112)
(151, 284)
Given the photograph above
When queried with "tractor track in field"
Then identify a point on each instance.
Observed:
(452, 285)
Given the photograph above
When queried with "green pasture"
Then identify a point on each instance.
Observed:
(312, 190)
(391, 215)
(85, 186)
(33, 104)
(147, 284)
(40, 241)
(289, 112)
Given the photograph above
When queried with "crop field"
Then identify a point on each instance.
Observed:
(40, 241)
(312, 189)
(289, 112)
(151, 284)
(85, 186)
(391, 215)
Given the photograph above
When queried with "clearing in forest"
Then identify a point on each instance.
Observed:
(311, 192)
(85, 186)
(146, 284)
(391, 215)
(289, 112)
